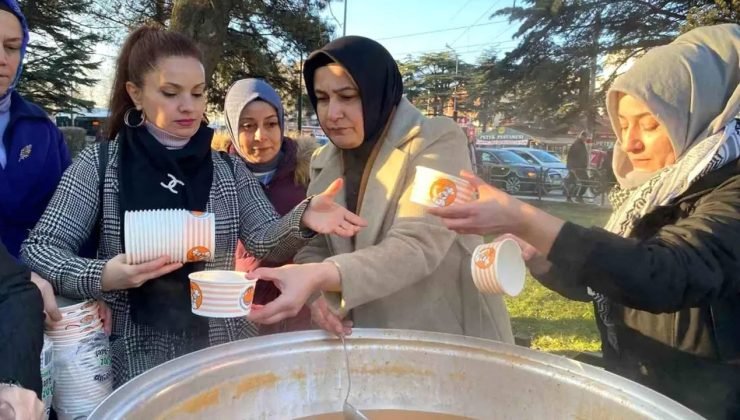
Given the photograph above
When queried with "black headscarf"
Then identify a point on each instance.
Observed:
(380, 84)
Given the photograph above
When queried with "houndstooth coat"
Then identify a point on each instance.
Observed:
(242, 212)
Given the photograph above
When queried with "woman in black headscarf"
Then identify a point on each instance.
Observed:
(405, 270)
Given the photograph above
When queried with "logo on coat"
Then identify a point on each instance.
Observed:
(174, 182)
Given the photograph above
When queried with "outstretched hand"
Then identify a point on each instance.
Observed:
(325, 216)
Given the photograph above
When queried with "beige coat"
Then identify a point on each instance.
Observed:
(406, 270)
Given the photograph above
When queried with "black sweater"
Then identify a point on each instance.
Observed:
(675, 292)
(21, 325)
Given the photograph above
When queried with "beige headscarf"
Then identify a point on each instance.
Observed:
(690, 85)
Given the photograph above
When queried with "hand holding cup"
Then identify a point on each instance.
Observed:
(117, 275)
(47, 295)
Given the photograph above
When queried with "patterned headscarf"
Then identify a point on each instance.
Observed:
(689, 85)
(692, 86)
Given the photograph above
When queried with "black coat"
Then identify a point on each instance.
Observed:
(675, 293)
(21, 325)
(577, 156)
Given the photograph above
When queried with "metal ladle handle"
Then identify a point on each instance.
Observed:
(346, 365)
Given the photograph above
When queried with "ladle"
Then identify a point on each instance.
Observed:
(349, 411)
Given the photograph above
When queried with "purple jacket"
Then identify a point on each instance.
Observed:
(284, 191)
(37, 158)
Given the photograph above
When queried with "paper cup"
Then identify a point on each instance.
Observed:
(69, 306)
(182, 235)
(432, 188)
(76, 330)
(498, 268)
(200, 237)
(77, 321)
(47, 375)
(82, 363)
(221, 294)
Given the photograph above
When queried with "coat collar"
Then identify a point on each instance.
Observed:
(22, 109)
(384, 182)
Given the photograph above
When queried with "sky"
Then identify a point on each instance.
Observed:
(418, 26)
(404, 27)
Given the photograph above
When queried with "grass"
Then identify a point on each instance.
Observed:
(553, 323)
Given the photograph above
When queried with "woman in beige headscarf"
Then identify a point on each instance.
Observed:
(665, 274)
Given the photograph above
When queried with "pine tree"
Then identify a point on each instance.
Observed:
(59, 57)
(564, 44)
(239, 38)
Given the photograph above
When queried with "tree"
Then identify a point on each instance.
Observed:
(711, 13)
(483, 87)
(432, 80)
(59, 57)
(239, 38)
(563, 45)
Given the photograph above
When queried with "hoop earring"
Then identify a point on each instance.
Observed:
(128, 114)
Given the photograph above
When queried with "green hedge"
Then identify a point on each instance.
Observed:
(75, 139)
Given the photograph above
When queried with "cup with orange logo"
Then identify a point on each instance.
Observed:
(221, 293)
(498, 268)
(432, 188)
(185, 236)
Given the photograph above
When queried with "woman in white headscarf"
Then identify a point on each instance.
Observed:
(664, 275)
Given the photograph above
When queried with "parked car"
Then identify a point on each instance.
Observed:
(554, 171)
(506, 170)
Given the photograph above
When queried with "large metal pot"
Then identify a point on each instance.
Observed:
(302, 374)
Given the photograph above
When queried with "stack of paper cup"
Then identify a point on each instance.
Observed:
(221, 294)
(82, 365)
(433, 188)
(498, 268)
(182, 235)
(47, 372)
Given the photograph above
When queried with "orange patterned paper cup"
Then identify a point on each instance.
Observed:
(498, 268)
(221, 294)
(433, 188)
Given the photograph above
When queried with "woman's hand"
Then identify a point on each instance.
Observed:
(497, 213)
(537, 263)
(117, 275)
(297, 282)
(326, 319)
(47, 295)
(106, 316)
(325, 216)
(493, 213)
(19, 403)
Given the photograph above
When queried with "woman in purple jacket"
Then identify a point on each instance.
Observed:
(255, 121)
(33, 154)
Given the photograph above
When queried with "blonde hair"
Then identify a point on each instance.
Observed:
(221, 140)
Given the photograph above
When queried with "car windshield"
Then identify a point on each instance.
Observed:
(509, 157)
(545, 157)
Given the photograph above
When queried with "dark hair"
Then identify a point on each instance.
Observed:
(140, 54)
